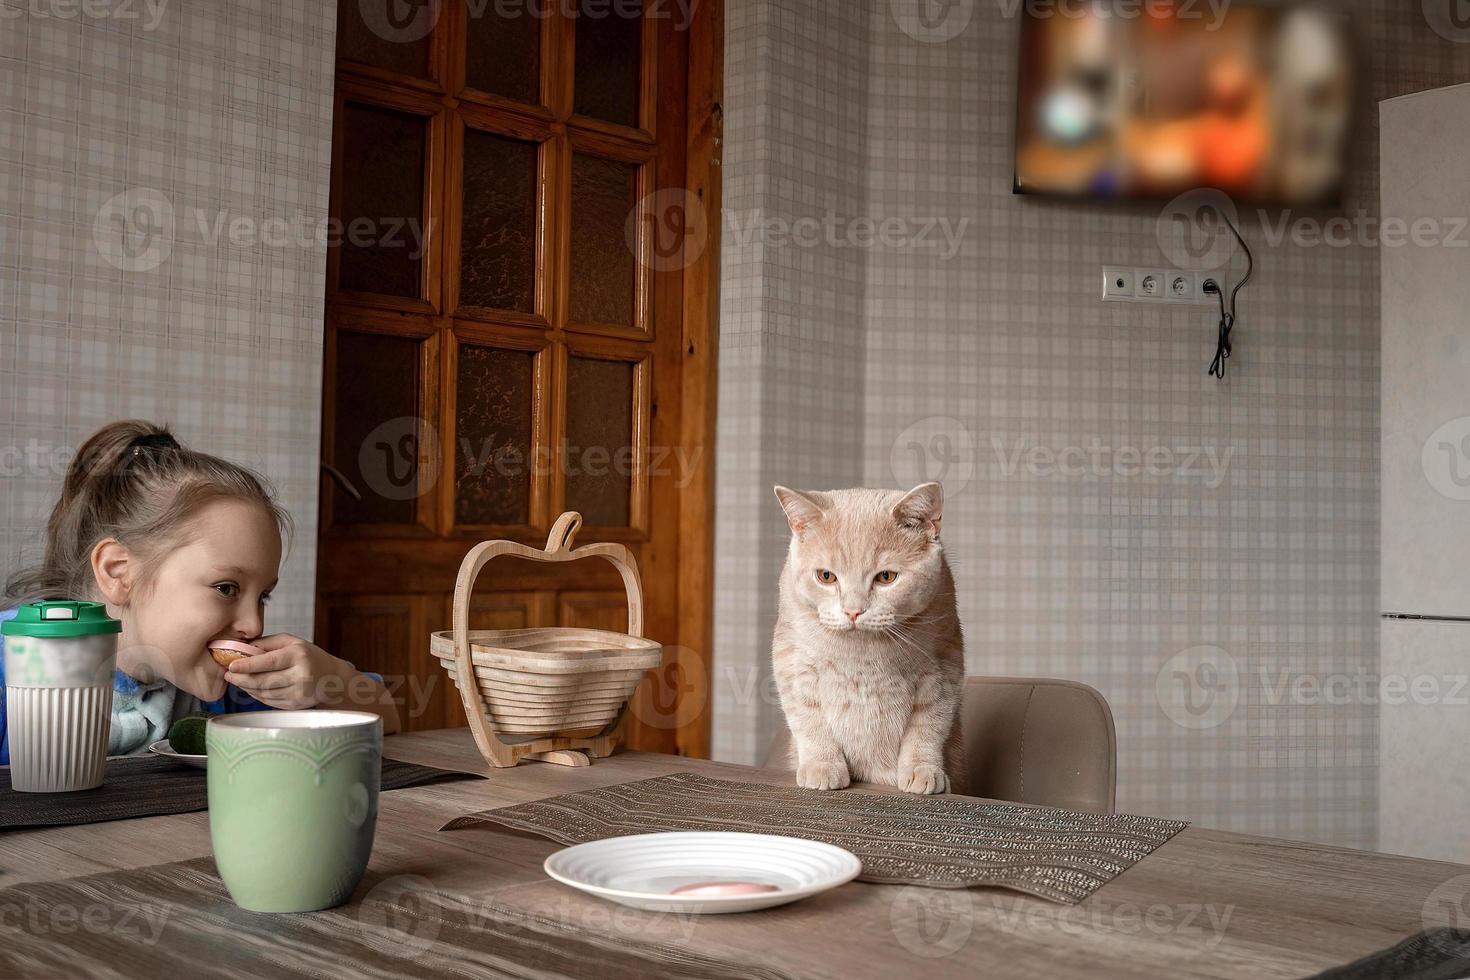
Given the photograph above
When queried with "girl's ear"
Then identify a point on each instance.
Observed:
(113, 569)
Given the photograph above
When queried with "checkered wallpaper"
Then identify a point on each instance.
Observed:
(163, 168)
(791, 321)
(1262, 558)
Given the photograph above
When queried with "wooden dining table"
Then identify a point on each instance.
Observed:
(1207, 903)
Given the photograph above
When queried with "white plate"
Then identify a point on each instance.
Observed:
(641, 870)
(161, 747)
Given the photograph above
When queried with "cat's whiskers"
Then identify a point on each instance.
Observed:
(836, 625)
(907, 640)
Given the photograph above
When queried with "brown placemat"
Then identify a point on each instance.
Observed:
(146, 786)
(177, 920)
(1435, 954)
(941, 842)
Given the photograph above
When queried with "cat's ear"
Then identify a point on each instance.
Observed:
(921, 509)
(801, 511)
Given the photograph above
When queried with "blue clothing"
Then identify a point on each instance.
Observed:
(141, 712)
(4, 730)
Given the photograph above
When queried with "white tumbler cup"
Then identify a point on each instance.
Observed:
(59, 662)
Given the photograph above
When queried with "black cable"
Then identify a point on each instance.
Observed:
(1227, 318)
(1222, 344)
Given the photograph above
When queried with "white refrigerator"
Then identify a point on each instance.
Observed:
(1424, 684)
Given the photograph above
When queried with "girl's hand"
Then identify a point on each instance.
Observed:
(291, 674)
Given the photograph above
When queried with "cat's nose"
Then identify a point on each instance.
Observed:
(853, 614)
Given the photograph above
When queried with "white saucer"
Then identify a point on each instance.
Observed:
(161, 747)
(641, 870)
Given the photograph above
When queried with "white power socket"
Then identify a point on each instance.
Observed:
(1125, 284)
(1117, 282)
(1151, 284)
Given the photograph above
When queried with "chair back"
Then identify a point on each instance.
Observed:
(1029, 740)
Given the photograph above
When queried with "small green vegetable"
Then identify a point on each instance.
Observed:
(186, 737)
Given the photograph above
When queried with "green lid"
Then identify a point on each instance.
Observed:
(60, 619)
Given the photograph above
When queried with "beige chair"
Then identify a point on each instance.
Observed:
(1030, 740)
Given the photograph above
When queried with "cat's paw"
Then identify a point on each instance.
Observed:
(924, 779)
(822, 775)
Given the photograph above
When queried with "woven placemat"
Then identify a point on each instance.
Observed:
(1436, 954)
(145, 786)
(177, 920)
(941, 842)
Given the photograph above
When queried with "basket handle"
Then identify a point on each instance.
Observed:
(558, 549)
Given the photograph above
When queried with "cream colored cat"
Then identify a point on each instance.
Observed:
(868, 656)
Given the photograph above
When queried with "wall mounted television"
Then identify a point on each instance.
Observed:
(1152, 98)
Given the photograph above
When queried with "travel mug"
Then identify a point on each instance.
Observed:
(59, 662)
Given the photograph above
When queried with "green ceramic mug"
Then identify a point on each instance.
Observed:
(293, 803)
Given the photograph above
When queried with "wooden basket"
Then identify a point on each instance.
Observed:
(556, 694)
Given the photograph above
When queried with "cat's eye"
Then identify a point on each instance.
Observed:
(886, 577)
(825, 577)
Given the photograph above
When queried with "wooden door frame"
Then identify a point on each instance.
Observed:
(704, 95)
(689, 660)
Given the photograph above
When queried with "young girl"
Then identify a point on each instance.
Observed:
(184, 548)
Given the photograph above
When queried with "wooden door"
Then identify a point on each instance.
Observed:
(504, 343)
